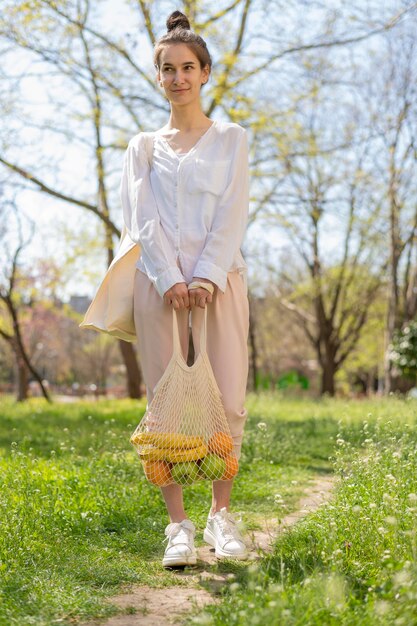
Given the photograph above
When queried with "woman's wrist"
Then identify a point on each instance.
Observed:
(202, 280)
(205, 284)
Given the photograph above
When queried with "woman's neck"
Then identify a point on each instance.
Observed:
(185, 119)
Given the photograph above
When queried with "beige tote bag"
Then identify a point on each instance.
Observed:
(111, 310)
(184, 435)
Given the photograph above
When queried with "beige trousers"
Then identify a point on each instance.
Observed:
(227, 337)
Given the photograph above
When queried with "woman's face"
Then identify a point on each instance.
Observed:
(180, 74)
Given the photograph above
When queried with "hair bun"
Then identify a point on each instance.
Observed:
(178, 20)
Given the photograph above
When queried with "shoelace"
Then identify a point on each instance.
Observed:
(228, 525)
(174, 529)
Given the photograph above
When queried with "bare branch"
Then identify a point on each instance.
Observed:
(326, 44)
(47, 189)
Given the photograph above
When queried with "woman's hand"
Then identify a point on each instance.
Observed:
(200, 296)
(177, 296)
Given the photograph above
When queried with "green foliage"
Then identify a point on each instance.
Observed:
(79, 519)
(353, 561)
(403, 351)
(293, 380)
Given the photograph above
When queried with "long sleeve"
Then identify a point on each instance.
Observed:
(142, 220)
(229, 225)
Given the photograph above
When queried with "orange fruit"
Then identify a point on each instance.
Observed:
(157, 472)
(221, 444)
(232, 466)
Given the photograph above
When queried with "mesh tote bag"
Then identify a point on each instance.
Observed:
(184, 435)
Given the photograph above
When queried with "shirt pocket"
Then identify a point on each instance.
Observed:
(209, 176)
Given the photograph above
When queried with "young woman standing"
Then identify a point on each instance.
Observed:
(185, 201)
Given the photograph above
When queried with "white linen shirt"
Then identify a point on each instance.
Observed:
(188, 213)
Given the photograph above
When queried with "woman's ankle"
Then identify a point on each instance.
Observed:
(176, 519)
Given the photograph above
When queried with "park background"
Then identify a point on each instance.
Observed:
(327, 93)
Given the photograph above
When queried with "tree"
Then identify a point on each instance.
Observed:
(403, 351)
(101, 91)
(10, 284)
(392, 103)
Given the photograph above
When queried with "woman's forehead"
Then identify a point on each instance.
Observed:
(177, 54)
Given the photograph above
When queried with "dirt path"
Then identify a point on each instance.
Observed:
(166, 606)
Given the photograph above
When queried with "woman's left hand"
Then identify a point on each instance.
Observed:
(200, 296)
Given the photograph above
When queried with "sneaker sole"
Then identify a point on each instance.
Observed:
(172, 561)
(221, 554)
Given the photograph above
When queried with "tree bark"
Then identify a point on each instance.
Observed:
(327, 378)
(133, 372)
(22, 379)
(19, 347)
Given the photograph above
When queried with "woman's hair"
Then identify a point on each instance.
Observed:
(179, 31)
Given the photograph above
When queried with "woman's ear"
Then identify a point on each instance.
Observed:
(205, 74)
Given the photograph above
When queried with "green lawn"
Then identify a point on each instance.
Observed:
(354, 561)
(78, 518)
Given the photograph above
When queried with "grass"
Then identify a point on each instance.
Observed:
(353, 562)
(79, 520)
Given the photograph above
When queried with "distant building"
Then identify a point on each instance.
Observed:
(80, 304)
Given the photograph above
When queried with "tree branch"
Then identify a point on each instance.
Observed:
(56, 194)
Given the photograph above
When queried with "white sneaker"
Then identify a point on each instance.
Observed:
(222, 533)
(180, 549)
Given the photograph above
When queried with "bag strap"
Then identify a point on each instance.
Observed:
(176, 336)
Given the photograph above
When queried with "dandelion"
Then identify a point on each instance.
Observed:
(402, 579)
(262, 426)
(382, 607)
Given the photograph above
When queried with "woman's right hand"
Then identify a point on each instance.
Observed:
(177, 296)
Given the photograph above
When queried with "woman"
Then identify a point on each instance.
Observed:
(185, 200)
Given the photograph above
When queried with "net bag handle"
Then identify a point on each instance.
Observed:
(176, 336)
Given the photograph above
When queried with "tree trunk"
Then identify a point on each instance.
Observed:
(327, 378)
(19, 347)
(393, 316)
(22, 378)
(133, 372)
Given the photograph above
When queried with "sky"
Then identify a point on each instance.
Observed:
(53, 218)
(57, 223)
